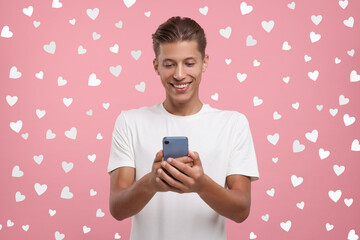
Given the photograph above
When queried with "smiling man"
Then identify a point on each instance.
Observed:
(188, 197)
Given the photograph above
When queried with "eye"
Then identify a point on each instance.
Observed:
(168, 65)
(190, 64)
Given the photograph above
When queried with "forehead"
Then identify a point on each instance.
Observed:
(179, 50)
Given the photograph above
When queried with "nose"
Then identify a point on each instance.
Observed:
(180, 73)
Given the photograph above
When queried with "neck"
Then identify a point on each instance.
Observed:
(183, 109)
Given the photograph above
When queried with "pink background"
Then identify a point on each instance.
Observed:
(321, 107)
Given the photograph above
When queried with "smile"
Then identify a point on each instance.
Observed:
(181, 87)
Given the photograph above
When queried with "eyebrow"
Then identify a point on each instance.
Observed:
(188, 58)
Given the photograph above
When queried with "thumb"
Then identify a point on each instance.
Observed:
(195, 157)
(158, 156)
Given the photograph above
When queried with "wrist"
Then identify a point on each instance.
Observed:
(148, 185)
(203, 185)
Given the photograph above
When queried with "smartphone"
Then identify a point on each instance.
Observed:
(175, 147)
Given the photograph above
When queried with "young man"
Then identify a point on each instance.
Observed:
(188, 197)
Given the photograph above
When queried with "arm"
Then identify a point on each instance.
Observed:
(127, 196)
(233, 203)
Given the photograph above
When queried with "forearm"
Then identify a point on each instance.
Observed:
(128, 202)
(229, 203)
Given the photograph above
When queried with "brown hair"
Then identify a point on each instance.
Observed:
(179, 29)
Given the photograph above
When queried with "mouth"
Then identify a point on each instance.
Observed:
(180, 88)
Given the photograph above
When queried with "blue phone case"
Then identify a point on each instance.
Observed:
(175, 147)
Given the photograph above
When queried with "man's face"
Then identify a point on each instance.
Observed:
(180, 63)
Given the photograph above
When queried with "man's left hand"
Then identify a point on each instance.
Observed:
(183, 176)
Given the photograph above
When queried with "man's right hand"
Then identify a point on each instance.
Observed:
(156, 183)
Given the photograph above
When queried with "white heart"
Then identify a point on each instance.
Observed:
(323, 154)
(52, 212)
(11, 100)
(333, 112)
(98, 136)
(348, 120)
(316, 19)
(314, 37)
(291, 5)
(250, 41)
(6, 33)
(16, 172)
(335, 196)
(39, 75)
(16, 126)
(307, 58)
(286, 79)
(329, 227)
(275, 160)
(343, 100)
(92, 13)
(28, 11)
(265, 217)
(286, 226)
(140, 87)
(319, 107)
(115, 48)
(10, 223)
(25, 135)
(257, 101)
(90, 112)
(268, 26)
(300, 205)
(252, 235)
(106, 105)
(14, 74)
(297, 147)
(270, 192)
(147, 14)
(273, 139)
(67, 166)
(354, 77)
(296, 181)
(96, 36)
(313, 75)
(352, 235)
(286, 46)
(241, 76)
(343, 3)
(129, 3)
(71, 133)
(92, 157)
(348, 202)
(40, 113)
(61, 81)
(92, 192)
(50, 48)
(337, 60)
(81, 50)
(226, 32)
(93, 81)
(349, 22)
(66, 194)
(338, 169)
(59, 236)
(67, 101)
(36, 24)
(38, 159)
(295, 105)
(204, 10)
(351, 52)
(119, 24)
(56, 4)
(86, 229)
(50, 134)
(136, 54)
(215, 96)
(355, 146)
(245, 9)
(256, 63)
(228, 61)
(116, 70)
(25, 227)
(276, 116)
(117, 236)
(19, 197)
(99, 213)
(312, 136)
(72, 21)
(40, 189)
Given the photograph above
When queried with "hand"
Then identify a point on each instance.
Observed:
(156, 183)
(185, 178)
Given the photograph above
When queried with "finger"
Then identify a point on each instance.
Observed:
(195, 157)
(185, 159)
(170, 180)
(158, 156)
(178, 170)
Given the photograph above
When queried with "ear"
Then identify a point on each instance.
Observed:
(205, 62)
(156, 66)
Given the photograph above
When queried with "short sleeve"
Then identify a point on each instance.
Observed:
(242, 156)
(121, 152)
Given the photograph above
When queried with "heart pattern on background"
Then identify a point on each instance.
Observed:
(70, 67)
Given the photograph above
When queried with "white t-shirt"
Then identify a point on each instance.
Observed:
(225, 146)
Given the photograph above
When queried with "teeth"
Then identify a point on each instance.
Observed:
(181, 86)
